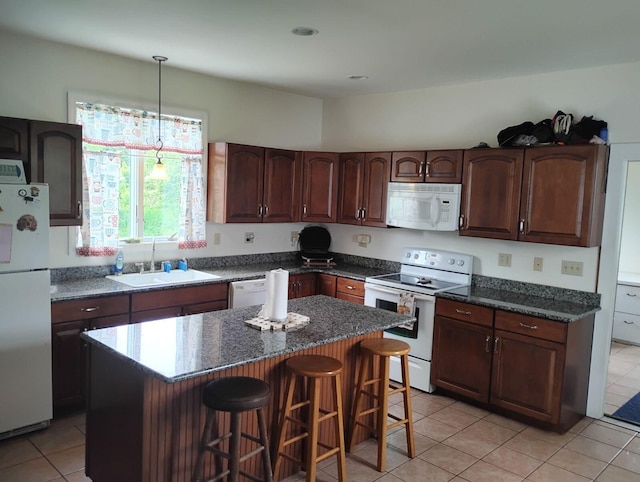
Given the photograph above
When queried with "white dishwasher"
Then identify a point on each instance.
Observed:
(247, 293)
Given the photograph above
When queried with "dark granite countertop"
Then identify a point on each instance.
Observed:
(185, 347)
(542, 301)
(101, 286)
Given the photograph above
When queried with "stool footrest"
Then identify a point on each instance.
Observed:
(368, 427)
(397, 390)
(298, 422)
(288, 442)
(291, 459)
(398, 423)
(251, 454)
(250, 476)
(329, 453)
(327, 416)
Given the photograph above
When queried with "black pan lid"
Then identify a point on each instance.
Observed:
(314, 240)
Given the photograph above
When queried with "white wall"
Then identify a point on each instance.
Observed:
(630, 241)
(37, 75)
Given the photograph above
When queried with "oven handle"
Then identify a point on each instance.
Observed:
(428, 299)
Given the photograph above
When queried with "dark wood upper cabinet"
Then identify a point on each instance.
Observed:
(320, 187)
(51, 153)
(56, 159)
(408, 166)
(282, 186)
(14, 139)
(251, 184)
(552, 195)
(563, 191)
(363, 188)
(491, 193)
(444, 166)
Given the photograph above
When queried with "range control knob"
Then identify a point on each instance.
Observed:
(452, 261)
(416, 256)
(460, 262)
(408, 255)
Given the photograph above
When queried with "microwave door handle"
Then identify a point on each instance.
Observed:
(434, 214)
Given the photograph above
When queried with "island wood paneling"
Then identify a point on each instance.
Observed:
(167, 418)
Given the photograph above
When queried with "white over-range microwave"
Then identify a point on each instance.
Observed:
(429, 207)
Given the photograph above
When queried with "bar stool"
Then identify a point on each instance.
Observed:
(384, 348)
(313, 368)
(234, 395)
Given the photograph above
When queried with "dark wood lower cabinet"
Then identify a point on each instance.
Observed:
(532, 369)
(69, 362)
(301, 285)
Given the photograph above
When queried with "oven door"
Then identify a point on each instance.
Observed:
(419, 335)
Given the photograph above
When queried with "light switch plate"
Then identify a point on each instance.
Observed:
(572, 268)
(537, 263)
(504, 259)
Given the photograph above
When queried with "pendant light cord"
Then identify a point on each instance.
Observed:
(159, 144)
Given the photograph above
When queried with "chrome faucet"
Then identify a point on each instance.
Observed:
(152, 269)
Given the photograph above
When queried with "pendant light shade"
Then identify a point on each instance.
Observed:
(159, 170)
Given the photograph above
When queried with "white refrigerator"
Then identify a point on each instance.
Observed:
(25, 309)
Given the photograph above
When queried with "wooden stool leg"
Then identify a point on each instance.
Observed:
(266, 459)
(206, 433)
(383, 393)
(277, 459)
(411, 447)
(364, 362)
(337, 403)
(314, 415)
(234, 447)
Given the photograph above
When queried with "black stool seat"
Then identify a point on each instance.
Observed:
(236, 394)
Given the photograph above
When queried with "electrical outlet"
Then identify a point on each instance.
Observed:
(573, 268)
(294, 238)
(537, 264)
(216, 238)
(249, 237)
(504, 259)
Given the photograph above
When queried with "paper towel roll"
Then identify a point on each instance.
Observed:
(277, 295)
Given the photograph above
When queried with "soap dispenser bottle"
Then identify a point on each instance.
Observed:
(119, 264)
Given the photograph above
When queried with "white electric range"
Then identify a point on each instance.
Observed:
(423, 273)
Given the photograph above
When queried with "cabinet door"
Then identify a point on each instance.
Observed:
(282, 186)
(320, 187)
(68, 355)
(327, 285)
(108, 321)
(350, 190)
(563, 195)
(377, 170)
(491, 193)
(14, 140)
(444, 166)
(408, 166)
(461, 360)
(306, 285)
(156, 314)
(527, 376)
(56, 159)
(205, 307)
(244, 183)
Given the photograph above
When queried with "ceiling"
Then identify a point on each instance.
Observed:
(397, 44)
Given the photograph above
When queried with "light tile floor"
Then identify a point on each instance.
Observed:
(454, 441)
(623, 379)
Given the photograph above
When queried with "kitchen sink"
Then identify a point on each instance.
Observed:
(160, 278)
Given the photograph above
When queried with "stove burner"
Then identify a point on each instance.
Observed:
(424, 281)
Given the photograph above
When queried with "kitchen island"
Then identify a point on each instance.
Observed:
(144, 410)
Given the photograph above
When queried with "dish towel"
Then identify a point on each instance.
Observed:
(406, 306)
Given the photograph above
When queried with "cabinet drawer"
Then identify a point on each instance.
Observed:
(530, 326)
(178, 297)
(89, 308)
(628, 299)
(458, 310)
(349, 286)
(626, 327)
(349, 297)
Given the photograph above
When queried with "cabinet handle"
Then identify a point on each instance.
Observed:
(496, 344)
(304, 210)
(632, 295)
(358, 213)
(364, 214)
(531, 327)
(461, 221)
(79, 212)
(88, 310)
(486, 344)
(260, 210)
(421, 170)
(266, 211)
(427, 173)
(628, 322)
(522, 225)
(462, 312)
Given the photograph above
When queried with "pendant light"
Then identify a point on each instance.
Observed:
(159, 170)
